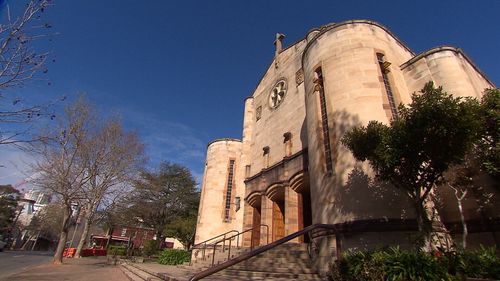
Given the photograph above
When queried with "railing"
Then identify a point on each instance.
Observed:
(237, 236)
(328, 227)
(204, 245)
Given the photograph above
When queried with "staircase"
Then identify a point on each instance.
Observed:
(285, 262)
(278, 260)
(220, 257)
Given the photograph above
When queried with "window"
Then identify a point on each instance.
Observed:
(384, 68)
(229, 191)
(124, 232)
(319, 87)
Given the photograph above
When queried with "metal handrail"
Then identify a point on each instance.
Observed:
(231, 238)
(204, 243)
(267, 247)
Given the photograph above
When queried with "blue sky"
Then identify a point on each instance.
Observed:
(178, 71)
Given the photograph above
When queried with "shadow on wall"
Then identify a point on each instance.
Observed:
(352, 192)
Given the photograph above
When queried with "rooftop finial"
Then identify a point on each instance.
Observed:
(278, 43)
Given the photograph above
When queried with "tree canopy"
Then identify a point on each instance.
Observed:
(429, 135)
(161, 198)
(8, 203)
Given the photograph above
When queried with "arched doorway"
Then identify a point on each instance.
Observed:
(300, 184)
(276, 194)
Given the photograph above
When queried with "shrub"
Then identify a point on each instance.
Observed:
(174, 257)
(150, 248)
(482, 263)
(392, 264)
(117, 250)
(396, 264)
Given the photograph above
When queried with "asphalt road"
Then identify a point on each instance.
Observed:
(12, 262)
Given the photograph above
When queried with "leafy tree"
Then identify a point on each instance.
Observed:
(182, 229)
(429, 135)
(159, 198)
(8, 203)
(488, 148)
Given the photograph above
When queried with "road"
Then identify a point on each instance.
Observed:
(12, 262)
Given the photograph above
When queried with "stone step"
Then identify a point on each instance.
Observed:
(290, 268)
(137, 273)
(129, 274)
(219, 255)
(254, 275)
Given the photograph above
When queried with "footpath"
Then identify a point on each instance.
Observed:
(83, 269)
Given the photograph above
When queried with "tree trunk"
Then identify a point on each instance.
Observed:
(89, 216)
(63, 236)
(464, 224)
(423, 222)
(83, 238)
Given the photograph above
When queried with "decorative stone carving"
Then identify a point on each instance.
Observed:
(299, 76)
(258, 113)
(277, 94)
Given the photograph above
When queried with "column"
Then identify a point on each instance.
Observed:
(291, 213)
(266, 214)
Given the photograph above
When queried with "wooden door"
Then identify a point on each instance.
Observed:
(278, 220)
(256, 228)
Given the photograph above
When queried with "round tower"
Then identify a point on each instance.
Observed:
(220, 203)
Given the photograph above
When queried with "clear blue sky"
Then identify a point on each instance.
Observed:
(178, 71)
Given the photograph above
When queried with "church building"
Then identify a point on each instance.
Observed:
(289, 170)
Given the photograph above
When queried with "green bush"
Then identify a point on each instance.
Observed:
(396, 264)
(392, 264)
(174, 257)
(482, 263)
(117, 251)
(150, 248)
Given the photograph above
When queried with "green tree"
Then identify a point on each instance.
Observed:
(488, 147)
(160, 198)
(429, 135)
(8, 203)
(182, 229)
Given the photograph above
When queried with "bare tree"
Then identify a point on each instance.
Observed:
(112, 158)
(60, 167)
(20, 63)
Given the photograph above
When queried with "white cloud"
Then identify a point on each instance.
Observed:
(169, 141)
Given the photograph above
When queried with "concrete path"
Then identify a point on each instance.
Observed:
(84, 269)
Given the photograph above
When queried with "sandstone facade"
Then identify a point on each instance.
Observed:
(290, 170)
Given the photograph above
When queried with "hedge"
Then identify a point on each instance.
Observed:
(174, 257)
(396, 264)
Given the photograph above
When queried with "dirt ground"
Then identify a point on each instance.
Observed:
(83, 269)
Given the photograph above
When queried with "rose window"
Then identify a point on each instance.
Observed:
(277, 94)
